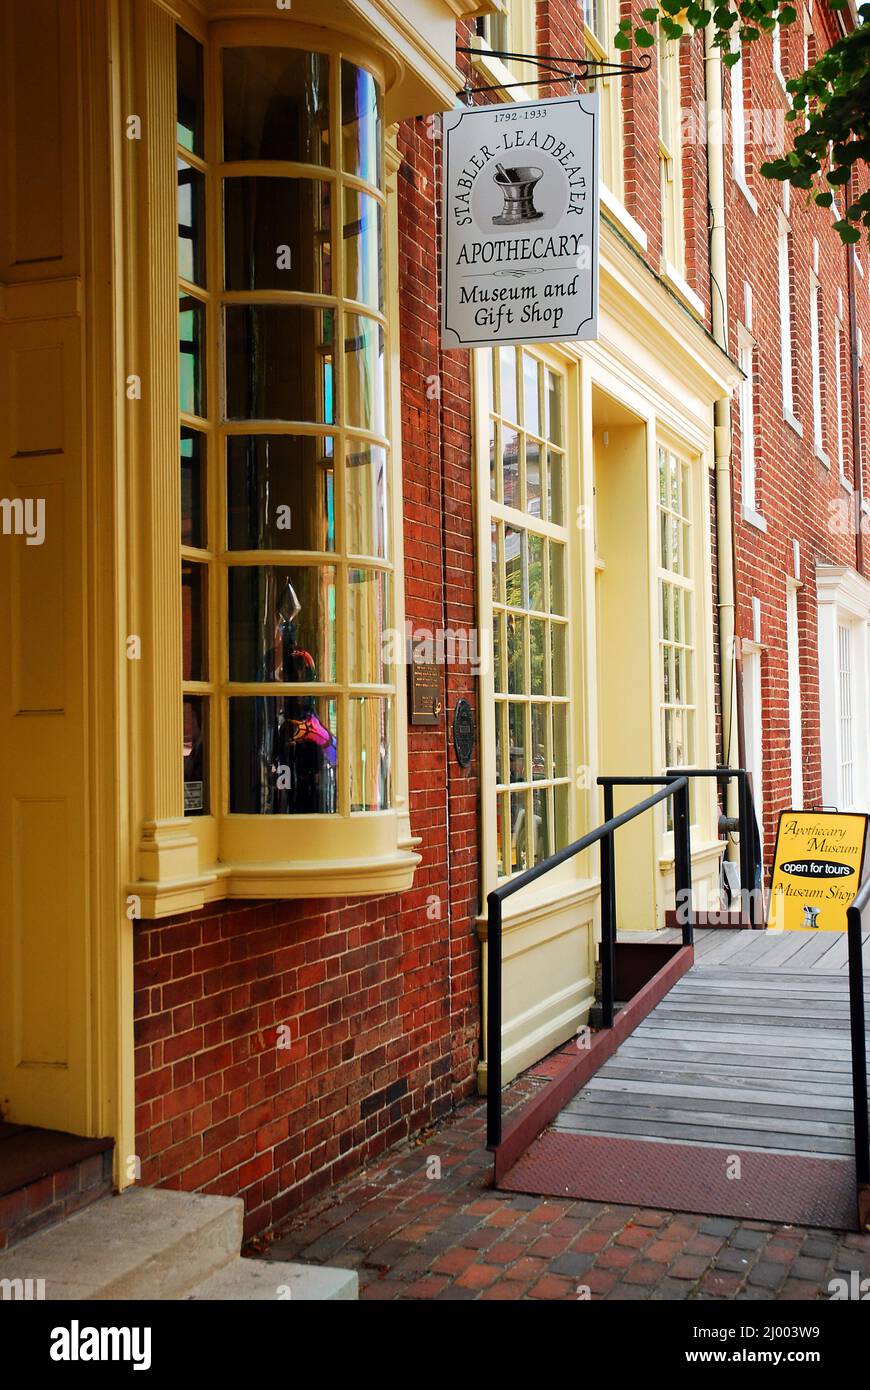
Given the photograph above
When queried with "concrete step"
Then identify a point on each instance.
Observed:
(274, 1280)
(145, 1243)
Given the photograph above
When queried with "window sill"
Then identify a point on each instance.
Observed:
(524, 909)
(821, 456)
(754, 518)
(746, 191)
(681, 287)
(846, 485)
(794, 422)
(623, 219)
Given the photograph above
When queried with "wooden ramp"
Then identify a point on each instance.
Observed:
(748, 1056)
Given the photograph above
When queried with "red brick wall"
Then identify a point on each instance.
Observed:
(380, 996)
(797, 494)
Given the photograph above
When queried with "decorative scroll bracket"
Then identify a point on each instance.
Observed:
(577, 70)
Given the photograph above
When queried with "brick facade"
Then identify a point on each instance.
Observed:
(380, 998)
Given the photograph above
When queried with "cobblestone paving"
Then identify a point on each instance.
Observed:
(423, 1223)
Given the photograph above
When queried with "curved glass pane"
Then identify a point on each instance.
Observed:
(191, 223)
(366, 507)
(188, 91)
(364, 374)
(191, 361)
(369, 754)
(368, 620)
(277, 235)
(363, 249)
(280, 492)
(283, 755)
(195, 754)
(281, 623)
(276, 104)
(360, 123)
(279, 363)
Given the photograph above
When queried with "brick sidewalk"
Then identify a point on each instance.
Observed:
(413, 1234)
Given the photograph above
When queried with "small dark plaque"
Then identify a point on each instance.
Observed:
(426, 702)
(463, 732)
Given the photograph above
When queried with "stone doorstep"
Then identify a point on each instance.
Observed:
(151, 1243)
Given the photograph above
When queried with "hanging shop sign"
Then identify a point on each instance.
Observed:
(520, 228)
(819, 865)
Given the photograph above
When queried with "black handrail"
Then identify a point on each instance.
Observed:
(746, 816)
(675, 786)
(858, 1029)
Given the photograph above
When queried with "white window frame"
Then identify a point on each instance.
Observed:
(795, 715)
(748, 441)
(753, 726)
(738, 128)
(816, 369)
(783, 249)
(776, 57)
(511, 28)
(599, 45)
(843, 598)
(671, 157)
(838, 404)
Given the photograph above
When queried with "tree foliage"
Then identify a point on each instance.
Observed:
(830, 102)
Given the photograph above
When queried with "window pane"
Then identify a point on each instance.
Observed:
(366, 515)
(276, 104)
(558, 639)
(508, 381)
(536, 572)
(368, 619)
(195, 754)
(498, 645)
(277, 235)
(561, 816)
(533, 477)
(279, 363)
(193, 509)
(531, 414)
(191, 223)
(543, 845)
(363, 249)
(499, 743)
(364, 380)
(516, 651)
(519, 767)
(191, 370)
(510, 467)
(537, 655)
(556, 488)
(560, 740)
(282, 623)
(188, 73)
(557, 578)
(280, 492)
(193, 621)
(282, 755)
(519, 832)
(369, 744)
(360, 123)
(539, 742)
(553, 407)
(513, 566)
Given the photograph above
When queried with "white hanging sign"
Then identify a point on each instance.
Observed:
(520, 228)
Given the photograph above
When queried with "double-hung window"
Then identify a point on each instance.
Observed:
(529, 535)
(670, 155)
(676, 609)
(600, 21)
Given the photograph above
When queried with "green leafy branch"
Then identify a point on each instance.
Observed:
(832, 98)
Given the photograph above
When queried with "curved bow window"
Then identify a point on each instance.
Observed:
(287, 571)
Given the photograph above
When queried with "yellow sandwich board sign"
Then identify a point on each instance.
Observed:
(817, 870)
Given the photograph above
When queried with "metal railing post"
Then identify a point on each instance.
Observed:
(608, 914)
(493, 1022)
(683, 862)
(858, 1028)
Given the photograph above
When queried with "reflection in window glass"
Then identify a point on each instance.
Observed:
(191, 343)
(191, 223)
(676, 599)
(280, 492)
(363, 249)
(360, 123)
(188, 76)
(530, 636)
(195, 754)
(277, 235)
(193, 509)
(276, 104)
(369, 751)
(368, 618)
(283, 755)
(281, 623)
(193, 620)
(366, 501)
(364, 380)
(279, 363)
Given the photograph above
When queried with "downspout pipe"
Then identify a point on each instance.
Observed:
(732, 753)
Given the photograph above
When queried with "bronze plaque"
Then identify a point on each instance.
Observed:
(425, 700)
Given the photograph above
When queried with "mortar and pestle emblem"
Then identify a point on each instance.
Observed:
(517, 185)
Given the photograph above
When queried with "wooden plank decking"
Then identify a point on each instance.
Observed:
(749, 1050)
